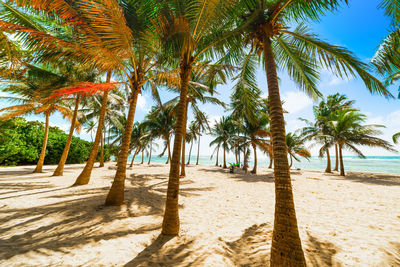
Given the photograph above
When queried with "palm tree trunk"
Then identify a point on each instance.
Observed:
(102, 150)
(60, 168)
(169, 151)
(216, 163)
(151, 148)
(328, 164)
(142, 156)
(238, 155)
(133, 158)
(198, 152)
(286, 249)
(39, 166)
(291, 161)
(245, 163)
(271, 160)
(190, 152)
(84, 177)
(336, 158)
(170, 225)
(224, 158)
(255, 159)
(342, 173)
(183, 173)
(116, 194)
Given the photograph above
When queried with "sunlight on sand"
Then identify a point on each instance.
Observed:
(226, 219)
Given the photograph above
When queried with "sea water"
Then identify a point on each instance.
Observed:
(378, 164)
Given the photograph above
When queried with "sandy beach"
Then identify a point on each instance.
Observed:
(226, 219)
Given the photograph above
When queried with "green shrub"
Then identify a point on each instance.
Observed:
(21, 142)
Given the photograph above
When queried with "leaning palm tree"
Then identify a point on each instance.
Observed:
(202, 125)
(348, 131)
(296, 147)
(266, 31)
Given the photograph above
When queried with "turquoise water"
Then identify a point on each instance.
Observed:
(380, 164)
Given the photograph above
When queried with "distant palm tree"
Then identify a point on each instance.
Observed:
(347, 130)
(191, 135)
(296, 146)
(222, 131)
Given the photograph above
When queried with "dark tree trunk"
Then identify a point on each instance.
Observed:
(102, 151)
(255, 159)
(328, 163)
(342, 173)
(183, 172)
(216, 163)
(198, 152)
(286, 249)
(336, 158)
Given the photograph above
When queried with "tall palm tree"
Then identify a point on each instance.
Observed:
(189, 30)
(296, 147)
(266, 31)
(347, 130)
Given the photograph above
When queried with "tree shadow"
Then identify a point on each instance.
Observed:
(69, 223)
(392, 255)
(319, 253)
(169, 251)
(240, 175)
(253, 247)
(372, 178)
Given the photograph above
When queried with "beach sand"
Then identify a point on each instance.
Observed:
(226, 219)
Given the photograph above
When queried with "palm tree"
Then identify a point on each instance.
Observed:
(31, 102)
(162, 120)
(222, 131)
(347, 131)
(296, 146)
(189, 30)
(191, 136)
(202, 125)
(126, 44)
(137, 136)
(265, 29)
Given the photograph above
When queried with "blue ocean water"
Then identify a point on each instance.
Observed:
(378, 164)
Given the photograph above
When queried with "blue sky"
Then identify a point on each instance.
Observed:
(360, 27)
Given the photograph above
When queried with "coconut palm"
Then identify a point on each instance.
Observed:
(138, 142)
(348, 131)
(296, 147)
(222, 131)
(202, 125)
(265, 30)
(26, 89)
(189, 30)
(191, 136)
(162, 120)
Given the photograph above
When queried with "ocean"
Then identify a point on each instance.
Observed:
(377, 164)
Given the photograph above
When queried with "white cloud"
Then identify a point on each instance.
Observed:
(296, 101)
(63, 126)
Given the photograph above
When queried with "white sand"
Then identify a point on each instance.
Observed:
(226, 219)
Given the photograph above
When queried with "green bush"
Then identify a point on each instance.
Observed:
(21, 142)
